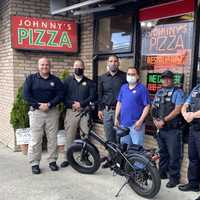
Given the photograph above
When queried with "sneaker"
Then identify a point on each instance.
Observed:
(64, 164)
(107, 165)
(36, 169)
(103, 159)
(188, 187)
(172, 183)
(53, 166)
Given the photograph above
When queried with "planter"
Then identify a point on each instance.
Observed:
(61, 139)
(23, 136)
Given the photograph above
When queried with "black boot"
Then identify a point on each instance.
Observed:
(36, 169)
(64, 164)
(53, 166)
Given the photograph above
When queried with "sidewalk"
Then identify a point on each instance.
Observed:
(18, 183)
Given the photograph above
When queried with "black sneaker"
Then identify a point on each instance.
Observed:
(172, 183)
(107, 165)
(36, 169)
(53, 166)
(64, 164)
(103, 159)
(189, 187)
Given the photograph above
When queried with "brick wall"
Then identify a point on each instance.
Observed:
(6, 75)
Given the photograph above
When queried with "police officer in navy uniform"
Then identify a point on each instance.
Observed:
(43, 91)
(166, 111)
(191, 113)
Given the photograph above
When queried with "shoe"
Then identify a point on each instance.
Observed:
(103, 159)
(163, 176)
(188, 187)
(198, 198)
(36, 169)
(64, 164)
(107, 165)
(172, 183)
(53, 166)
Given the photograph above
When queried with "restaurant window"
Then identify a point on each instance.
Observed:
(114, 34)
(166, 43)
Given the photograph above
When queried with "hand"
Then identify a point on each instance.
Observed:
(43, 107)
(76, 106)
(188, 116)
(117, 123)
(100, 115)
(138, 124)
(158, 123)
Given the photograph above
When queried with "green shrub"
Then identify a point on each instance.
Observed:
(19, 114)
(64, 74)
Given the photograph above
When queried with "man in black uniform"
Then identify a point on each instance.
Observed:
(166, 116)
(43, 91)
(108, 89)
(191, 113)
(79, 92)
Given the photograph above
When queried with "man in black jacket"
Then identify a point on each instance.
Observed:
(79, 92)
(43, 91)
(108, 89)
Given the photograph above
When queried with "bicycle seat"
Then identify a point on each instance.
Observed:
(121, 132)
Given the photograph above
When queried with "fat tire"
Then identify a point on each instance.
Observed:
(77, 147)
(150, 168)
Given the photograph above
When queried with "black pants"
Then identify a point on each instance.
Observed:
(170, 145)
(194, 157)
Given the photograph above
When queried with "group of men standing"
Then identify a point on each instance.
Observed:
(123, 101)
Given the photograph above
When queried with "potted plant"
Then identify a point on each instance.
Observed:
(61, 132)
(20, 121)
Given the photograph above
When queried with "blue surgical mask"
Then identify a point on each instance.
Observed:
(131, 79)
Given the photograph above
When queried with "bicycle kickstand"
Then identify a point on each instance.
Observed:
(126, 182)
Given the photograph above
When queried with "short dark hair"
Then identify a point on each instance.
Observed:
(113, 55)
(135, 68)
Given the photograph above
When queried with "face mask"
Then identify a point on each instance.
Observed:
(112, 68)
(131, 79)
(78, 71)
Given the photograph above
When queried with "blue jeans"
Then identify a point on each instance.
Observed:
(108, 122)
(136, 136)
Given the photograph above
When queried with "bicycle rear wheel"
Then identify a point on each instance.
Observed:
(143, 177)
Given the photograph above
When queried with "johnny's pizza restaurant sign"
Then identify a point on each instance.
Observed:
(44, 34)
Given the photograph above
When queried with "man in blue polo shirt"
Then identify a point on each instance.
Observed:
(132, 107)
(166, 113)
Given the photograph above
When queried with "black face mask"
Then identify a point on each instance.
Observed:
(78, 71)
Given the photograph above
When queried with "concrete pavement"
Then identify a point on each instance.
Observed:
(18, 183)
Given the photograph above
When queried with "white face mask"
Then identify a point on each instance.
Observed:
(131, 79)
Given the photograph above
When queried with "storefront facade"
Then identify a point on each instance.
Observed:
(152, 35)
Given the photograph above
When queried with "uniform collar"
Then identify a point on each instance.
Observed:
(38, 76)
(109, 74)
(83, 79)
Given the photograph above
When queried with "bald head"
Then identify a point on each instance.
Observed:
(44, 67)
